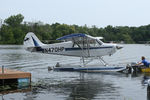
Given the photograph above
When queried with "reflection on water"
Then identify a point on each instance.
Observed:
(13, 86)
(146, 82)
(74, 85)
(148, 93)
(85, 87)
(89, 88)
(13, 89)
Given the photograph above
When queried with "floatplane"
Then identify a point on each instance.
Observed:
(80, 45)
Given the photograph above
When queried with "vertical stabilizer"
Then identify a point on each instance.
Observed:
(31, 40)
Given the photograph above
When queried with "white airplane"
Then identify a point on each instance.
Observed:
(77, 44)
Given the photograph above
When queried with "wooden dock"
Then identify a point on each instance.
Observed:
(9, 74)
(13, 74)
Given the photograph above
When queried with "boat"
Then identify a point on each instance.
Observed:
(145, 70)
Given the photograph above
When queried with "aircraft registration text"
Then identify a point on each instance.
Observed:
(54, 49)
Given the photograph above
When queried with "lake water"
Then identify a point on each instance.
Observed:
(51, 85)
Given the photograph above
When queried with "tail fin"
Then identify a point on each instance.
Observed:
(32, 43)
(31, 40)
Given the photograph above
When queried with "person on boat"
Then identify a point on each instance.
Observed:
(144, 62)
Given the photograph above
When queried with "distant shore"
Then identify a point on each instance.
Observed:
(13, 29)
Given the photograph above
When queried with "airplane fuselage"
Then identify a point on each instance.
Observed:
(67, 49)
(79, 45)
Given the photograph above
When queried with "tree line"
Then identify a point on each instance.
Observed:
(14, 29)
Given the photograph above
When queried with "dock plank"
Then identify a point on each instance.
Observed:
(13, 74)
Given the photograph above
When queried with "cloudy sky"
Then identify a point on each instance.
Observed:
(80, 12)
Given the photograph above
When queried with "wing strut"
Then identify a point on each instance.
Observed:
(103, 61)
(85, 60)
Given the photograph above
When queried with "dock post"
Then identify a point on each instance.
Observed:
(3, 73)
(2, 69)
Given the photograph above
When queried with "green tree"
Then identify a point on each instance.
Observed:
(14, 20)
(127, 38)
(7, 35)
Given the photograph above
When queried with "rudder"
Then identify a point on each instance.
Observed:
(31, 40)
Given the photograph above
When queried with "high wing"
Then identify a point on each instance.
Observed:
(78, 36)
(83, 39)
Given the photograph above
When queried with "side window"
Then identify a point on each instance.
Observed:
(95, 43)
(85, 43)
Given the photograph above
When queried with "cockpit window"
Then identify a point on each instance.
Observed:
(86, 42)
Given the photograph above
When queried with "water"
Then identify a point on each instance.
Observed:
(51, 85)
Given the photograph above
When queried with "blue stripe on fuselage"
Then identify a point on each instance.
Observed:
(70, 49)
